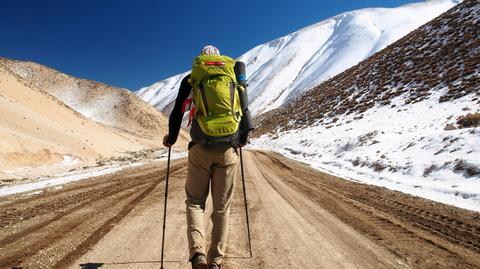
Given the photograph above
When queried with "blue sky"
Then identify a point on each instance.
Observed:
(133, 44)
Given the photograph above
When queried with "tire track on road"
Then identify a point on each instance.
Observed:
(87, 205)
(453, 243)
(295, 211)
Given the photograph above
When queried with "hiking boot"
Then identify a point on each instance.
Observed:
(215, 265)
(199, 261)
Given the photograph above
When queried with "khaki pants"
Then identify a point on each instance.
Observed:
(215, 169)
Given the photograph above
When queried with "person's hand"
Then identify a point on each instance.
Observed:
(165, 141)
(242, 142)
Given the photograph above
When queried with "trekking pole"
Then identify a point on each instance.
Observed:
(246, 206)
(165, 204)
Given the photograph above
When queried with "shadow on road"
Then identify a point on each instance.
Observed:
(95, 265)
(91, 265)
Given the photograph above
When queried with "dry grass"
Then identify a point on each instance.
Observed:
(469, 120)
(414, 67)
(469, 169)
(429, 170)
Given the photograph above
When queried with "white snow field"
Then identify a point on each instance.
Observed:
(395, 148)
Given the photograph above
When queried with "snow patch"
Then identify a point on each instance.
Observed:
(72, 176)
(402, 149)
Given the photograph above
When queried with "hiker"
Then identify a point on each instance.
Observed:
(220, 122)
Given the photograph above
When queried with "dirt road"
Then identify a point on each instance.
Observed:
(300, 218)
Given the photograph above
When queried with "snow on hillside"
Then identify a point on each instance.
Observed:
(92, 100)
(394, 120)
(162, 93)
(288, 66)
(111, 106)
(400, 150)
(52, 122)
(100, 109)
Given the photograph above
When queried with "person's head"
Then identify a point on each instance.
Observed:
(209, 49)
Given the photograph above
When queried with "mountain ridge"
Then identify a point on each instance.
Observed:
(53, 122)
(289, 65)
(397, 119)
(99, 101)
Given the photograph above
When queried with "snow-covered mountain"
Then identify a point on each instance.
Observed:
(407, 118)
(288, 66)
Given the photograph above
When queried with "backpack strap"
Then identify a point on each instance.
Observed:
(196, 90)
(232, 97)
(204, 99)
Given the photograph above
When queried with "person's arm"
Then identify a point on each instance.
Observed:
(175, 120)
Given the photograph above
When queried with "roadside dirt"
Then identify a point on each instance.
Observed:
(299, 217)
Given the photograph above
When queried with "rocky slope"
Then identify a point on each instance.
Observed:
(440, 57)
(406, 118)
(114, 107)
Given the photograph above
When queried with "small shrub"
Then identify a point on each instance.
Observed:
(469, 169)
(473, 171)
(363, 139)
(469, 120)
(355, 162)
(393, 169)
(411, 144)
(346, 147)
(429, 170)
(378, 166)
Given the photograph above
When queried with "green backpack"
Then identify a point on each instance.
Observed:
(215, 93)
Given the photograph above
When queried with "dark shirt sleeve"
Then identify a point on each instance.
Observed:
(176, 116)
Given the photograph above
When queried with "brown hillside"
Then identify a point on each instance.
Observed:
(114, 107)
(51, 122)
(38, 129)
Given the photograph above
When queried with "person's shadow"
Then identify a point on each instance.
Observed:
(91, 265)
(95, 265)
